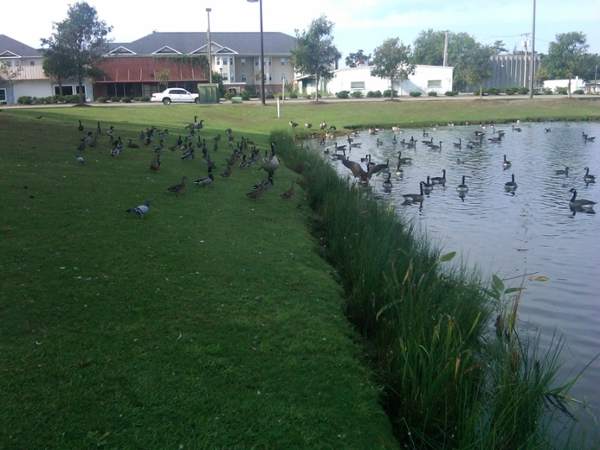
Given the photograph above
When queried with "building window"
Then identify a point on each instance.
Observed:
(434, 83)
(2, 95)
(231, 61)
(270, 78)
(243, 62)
(224, 61)
(82, 88)
(218, 61)
(225, 77)
(283, 61)
(283, 75)
(32, 63)
(8, 62)
(17, 63)
(357, 85)
(256, 60)
(244, 77)
(232, 78)
(67, 90)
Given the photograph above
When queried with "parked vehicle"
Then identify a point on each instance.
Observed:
(175, 95)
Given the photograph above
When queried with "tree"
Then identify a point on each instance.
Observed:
(353, 59)
(428, 48)
(80, 41)
(56, 64)
(499, 47)
(565, 58)
(314, 53)
(392, 60)
(479, 67)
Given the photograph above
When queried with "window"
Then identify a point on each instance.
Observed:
(32, 62)
(283, 61)
(244, 77)
(243, 62)
(231, 61)
(267, 61)
(357, 85)
(225, 77)
(17, 63)
(224, 61)
(232, 78)
(67, 90)
(283, 75)
(270, 78)
(77, 89)
(2, 95)
(256, 60)
(8, 62)
(434, 83)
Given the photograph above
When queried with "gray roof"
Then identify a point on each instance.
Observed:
(10, 46)
(275, 43)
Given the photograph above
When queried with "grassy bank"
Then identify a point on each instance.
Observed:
(213, 322)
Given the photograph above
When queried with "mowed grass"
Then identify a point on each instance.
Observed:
(208, 323)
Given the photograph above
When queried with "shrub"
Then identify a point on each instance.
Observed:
(144, 98)
(451, 93)
(126, 100)
(547, 91)
(307, 96)
(414, 93)
(432, 94)
(101, 99)
(356, 94)
(269, 96)
(374, 94)
(114, 99)
(523, 90)
(493, 90)
(562, 90)
(342, 94)
(387, 93)
(73, 98)
(228, 95)
(477, 91)
(578, 92)
(293, 95)
(25, 100)
(511, 90)
(245, 95)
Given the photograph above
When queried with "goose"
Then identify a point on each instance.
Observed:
(293, 124)
(308, 125)
(458, 144)
(506, 164)
(427, 186)
(462, 188)
(141, 209)
(359, 172)
(547, 130)
(272, 163)
(387, 184)
(435, 146)
(495, 139)
(205, 181)
(586, 138)
(564, 171)
(425, 134)
(516, 129)
(379, 142)
(339, 147)
(132, 144)
(511, 185)
(177, 188)
(397, 129)
(288, 192)
(439, 180)
(427, 142)
(459, 161)
(394, 140)
(80, 127)
(399, 169)
(587, 178)
(414, 198)
(586, 205)
(403, 160)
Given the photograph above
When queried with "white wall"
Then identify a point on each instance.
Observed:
(576, 83)
(420, 81)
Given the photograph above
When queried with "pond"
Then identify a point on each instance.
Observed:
(514, 234)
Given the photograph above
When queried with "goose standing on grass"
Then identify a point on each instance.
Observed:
(462, 188)
(272, 162)
(564, 171)
(582, 204)
(80, 127)
(142, 209)
(587, 178)
(414, 198)
(511, 185)
(439, 180)
(506, 164)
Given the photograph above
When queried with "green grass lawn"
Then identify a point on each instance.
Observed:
(211, 322)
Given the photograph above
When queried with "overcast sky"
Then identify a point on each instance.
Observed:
(359, 24)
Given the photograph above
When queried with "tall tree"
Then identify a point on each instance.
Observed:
(565, 58)
(428, 48)
(478, 65)
(392, 60)
(314, 53)
(499, 47)
(82, 39)
(353, 59)
(57, 64)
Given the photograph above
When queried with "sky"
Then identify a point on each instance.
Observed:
(358, 24)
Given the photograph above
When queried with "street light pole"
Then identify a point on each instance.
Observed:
(262, 53)
(208, 10)
(532, 62)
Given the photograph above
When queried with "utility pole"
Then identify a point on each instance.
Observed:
(525, 43)
(532, 63)
(209, 45)
(445, 47)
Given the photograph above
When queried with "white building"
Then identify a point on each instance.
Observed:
(425, 79)
(576, 84)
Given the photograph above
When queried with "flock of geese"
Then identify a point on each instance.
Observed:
(244, 154)
(363, 174)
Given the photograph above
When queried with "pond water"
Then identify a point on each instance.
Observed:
(531, 231)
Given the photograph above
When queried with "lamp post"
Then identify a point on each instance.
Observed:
(208, 10)
(532, 62)
(262, 54)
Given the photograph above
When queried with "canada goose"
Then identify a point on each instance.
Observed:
(459, 161)
(397, 129)
(414, 198)
(399, 170)
(425, 134)
(427, 142)
(339, 147)
(141, 209)
(564, 171)
(435, 146)
(516, 128)
(462, 188)
(511, 185)
(458, 144)
(387, 184)
(80, 127)
(177, 188)
(582, 203)
(359, 172)
(293, 124)
(586, 138)
(587, 178)
(427, 186)
(308, 125)
(403, 160)
(506, 164)
(272, 163)
(439, 180)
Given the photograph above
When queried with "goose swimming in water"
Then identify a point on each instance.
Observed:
(462, 188)
(564, 171)
(506, 164)
(439, 180)
(427, 186)
(414, 198)
(587, 178)
(387, 184)
(583, 204)
(511, 185)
